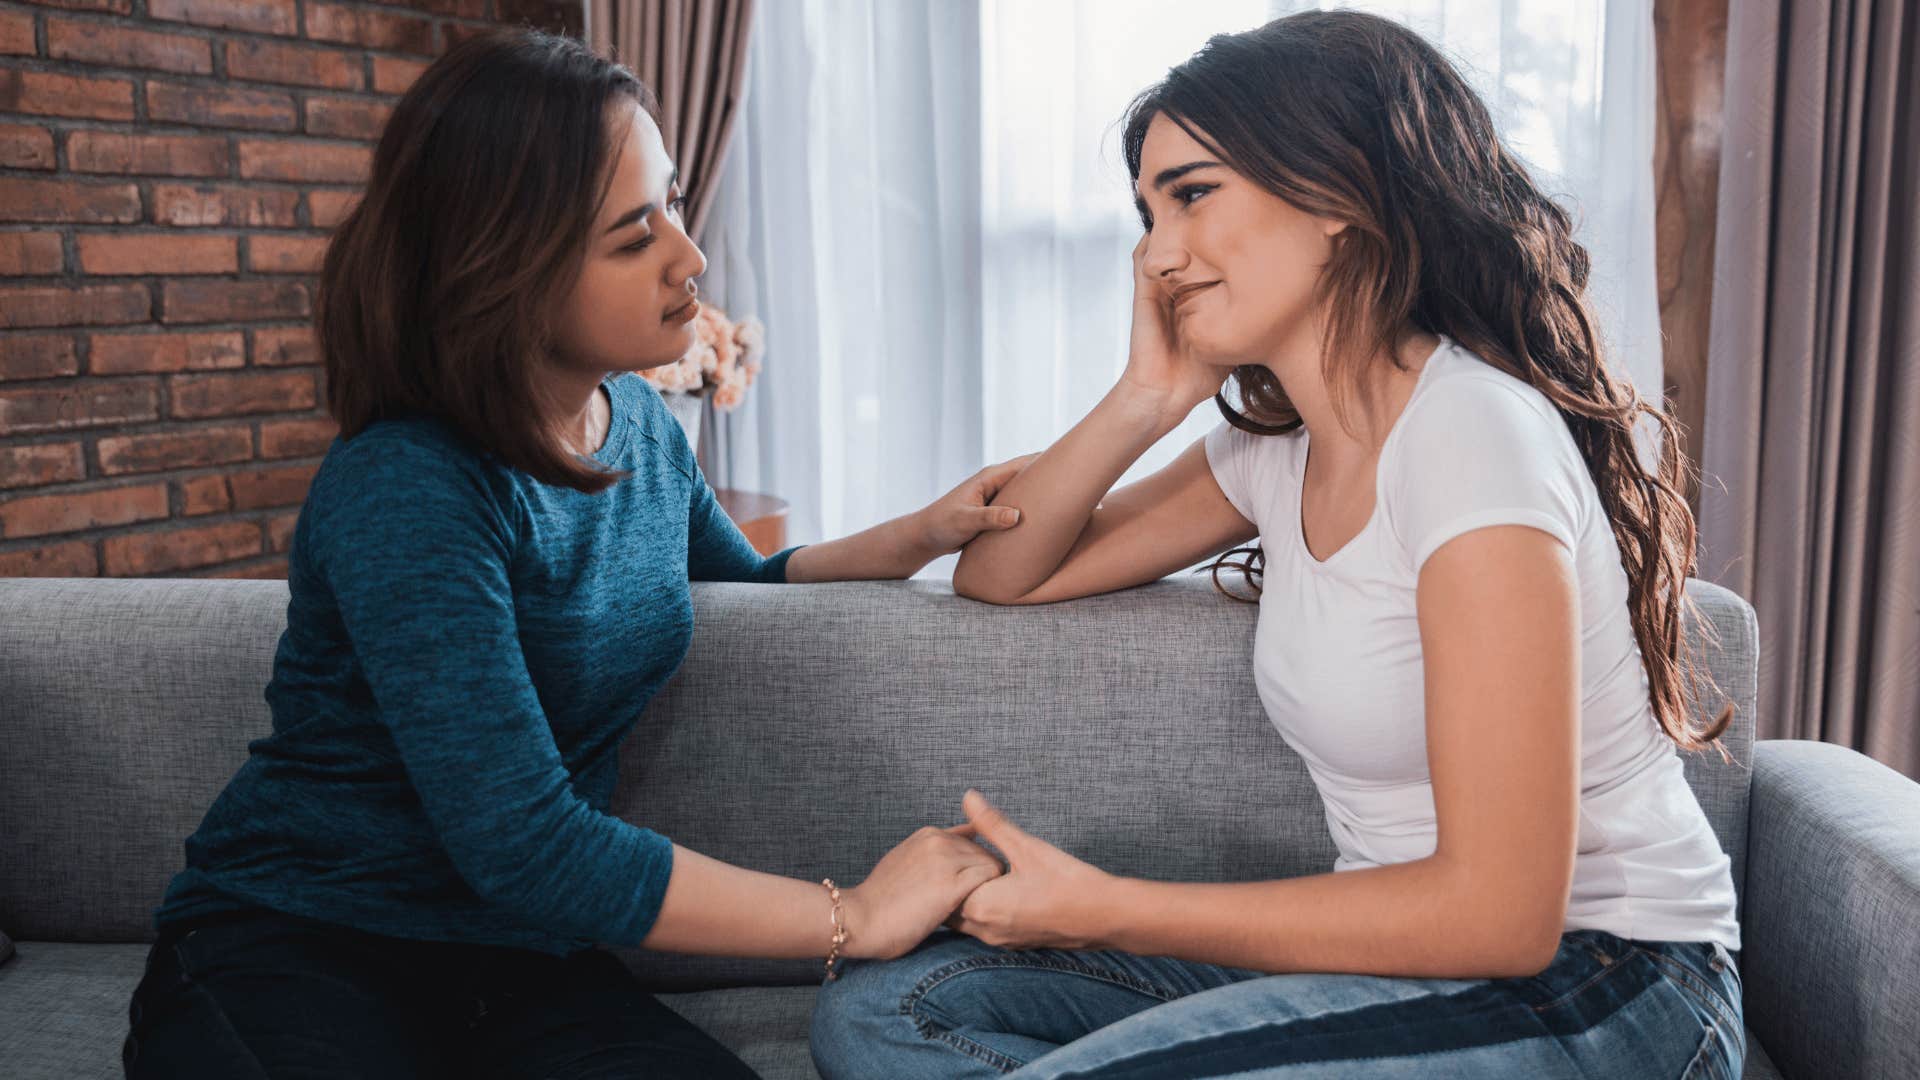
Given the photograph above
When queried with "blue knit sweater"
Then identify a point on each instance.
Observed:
(466, 647)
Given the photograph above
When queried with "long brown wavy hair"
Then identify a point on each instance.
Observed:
(1355, 118)
(437, 292)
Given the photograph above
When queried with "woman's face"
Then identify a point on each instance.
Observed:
(1240, 263)
(633, 305)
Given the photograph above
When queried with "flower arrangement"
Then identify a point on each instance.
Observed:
(724, 359)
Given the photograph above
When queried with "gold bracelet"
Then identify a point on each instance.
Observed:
(839, 929)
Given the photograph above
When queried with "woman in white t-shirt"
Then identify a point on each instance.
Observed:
(1470, 625)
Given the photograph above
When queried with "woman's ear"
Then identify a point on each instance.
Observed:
(1331, 228)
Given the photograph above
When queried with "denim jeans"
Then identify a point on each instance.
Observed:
(260, 993)
(1605, 1007)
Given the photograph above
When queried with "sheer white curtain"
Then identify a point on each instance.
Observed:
(847, 219)
(927, 207)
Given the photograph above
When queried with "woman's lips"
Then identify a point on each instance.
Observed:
(682, 314)
(1188, 292)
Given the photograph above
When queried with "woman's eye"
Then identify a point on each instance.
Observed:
(1188, 194)
(639, 245)
(678, 204)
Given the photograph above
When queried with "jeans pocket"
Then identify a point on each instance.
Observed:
(1701, 982)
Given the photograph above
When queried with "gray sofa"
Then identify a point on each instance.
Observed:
(811, 727)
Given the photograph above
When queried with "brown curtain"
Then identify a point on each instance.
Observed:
(693, 54)
(1810, 505)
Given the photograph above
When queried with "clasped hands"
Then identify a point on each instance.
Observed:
(1039, 897)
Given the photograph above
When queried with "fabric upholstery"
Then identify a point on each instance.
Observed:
(1832, 964)
(810, 728)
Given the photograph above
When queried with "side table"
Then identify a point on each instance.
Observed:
(762, 518)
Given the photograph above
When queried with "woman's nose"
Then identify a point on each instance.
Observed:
(1164, 256)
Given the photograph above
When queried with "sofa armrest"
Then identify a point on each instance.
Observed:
(1831, 923)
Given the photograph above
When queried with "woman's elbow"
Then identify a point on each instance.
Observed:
(975, 585)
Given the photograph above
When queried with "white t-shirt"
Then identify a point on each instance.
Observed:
(1337, 655)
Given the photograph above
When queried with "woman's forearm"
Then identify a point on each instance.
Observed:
(713, 908)
(889, 550)
(1416, 919)
(1058, 492)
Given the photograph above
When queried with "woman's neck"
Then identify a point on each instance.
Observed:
(1384, 390)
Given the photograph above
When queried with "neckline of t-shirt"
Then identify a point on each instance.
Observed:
(1373, 515)
(617, 423)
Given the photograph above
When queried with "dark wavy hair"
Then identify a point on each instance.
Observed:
(1355, 118)
(437, 292)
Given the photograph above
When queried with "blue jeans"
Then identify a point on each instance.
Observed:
(1605, 1007)
(260, 993)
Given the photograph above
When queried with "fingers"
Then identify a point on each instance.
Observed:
(991, 824)
(995, 517)
(964, 829)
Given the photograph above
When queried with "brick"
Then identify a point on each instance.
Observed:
(329, 208)
(192, 449)
(155, 155)
(66, 305)
(159, 551)
(118, 7)
(465, 9)
(158, 253)
(393, 74)
(51, 94)
(257, 489)
(207, 106)
(261, 570)
(16, 33)
(118, 45)
(199, 396)
(67, 512)
(64, 200)
(260, 16)
(302, 160)
(25, 254)
(28, 411)
(224, 204)
(374, 29)
(285, 347)
(285, 254)
(297, 438)
(25, 146)
(38, 357)
(189, 301)
(47, 463)
(133, 354)
(280, 531)
(347, 117)
(204, 495)
(74, 558)
(268, 61)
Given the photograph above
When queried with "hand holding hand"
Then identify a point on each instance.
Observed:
(913, 889)
(1042, 899)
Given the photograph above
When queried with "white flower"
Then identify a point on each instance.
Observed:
(751, 337)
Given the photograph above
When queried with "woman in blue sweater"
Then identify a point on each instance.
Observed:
(489, 580)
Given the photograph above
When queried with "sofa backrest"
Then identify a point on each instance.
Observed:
(810, 728)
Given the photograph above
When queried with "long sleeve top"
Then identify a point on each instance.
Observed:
(466, 648)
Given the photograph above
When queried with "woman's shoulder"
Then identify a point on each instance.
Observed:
(1461, 398)
(402, 467)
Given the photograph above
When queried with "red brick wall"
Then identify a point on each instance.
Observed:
(168, 173)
